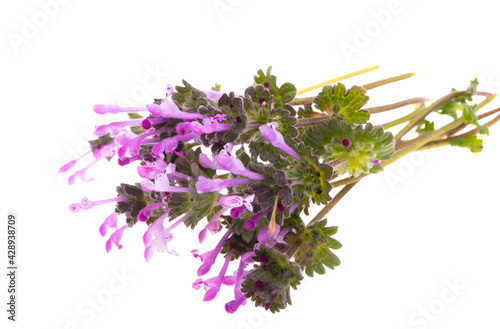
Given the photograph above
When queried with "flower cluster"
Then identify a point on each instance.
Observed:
(246, 168)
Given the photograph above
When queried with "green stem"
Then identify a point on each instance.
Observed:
(402, 119)
(310, 121)
(388, 107)
(301, 101)
(473, 132)
(320, 215)
(421, 114)
(387, 81)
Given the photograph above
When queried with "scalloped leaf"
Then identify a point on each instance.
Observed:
(343, 104)
(358, 149)
(315, 253)
(283, 94)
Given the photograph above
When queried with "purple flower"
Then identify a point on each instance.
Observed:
(215, 185)
(270, 134)
(146, 212)
(114, 128)
(154, 230)
(168, 145)
(234, 165)
(209, 258)
(213, 94)
(215, 283)
(210, 125)
(168, 109)
(235, 201)
(162, 182)
(269, 240)
(115, 238)
(205, 162)
(72, 163)
(252, 222)
(161, 242)
(151, 170)
(102, 151)
(213, 225)
(239, 297)
(111, 221)
(86, 204)
(237, 212)
(104, 109)
(134, 145)
(227, 202)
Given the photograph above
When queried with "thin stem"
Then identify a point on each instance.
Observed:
(326, 209)
(402, 119)
(447, 141)
(342, 77)
(302, 101)
(387, 81)
(421, 114)
(443, 131)
(319, 216)
(388, 107)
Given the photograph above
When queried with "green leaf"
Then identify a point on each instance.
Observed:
(462, 104)
(309, 176)
(343, 104)
(189, 98)
(283, 94)
(357, 149)
(474, 144)
(424, 126)
(314, 252)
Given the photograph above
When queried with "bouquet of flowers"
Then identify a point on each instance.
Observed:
(247, 166)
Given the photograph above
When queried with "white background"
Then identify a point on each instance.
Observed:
(427, 223)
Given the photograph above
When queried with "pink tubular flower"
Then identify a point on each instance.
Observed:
(162, 184)
(115, 238)
(215, 185)
(154, 230)
(270, 134)
(228, 202)
(210, 125)
(102, 151)
(252, 222)
(114, 128)
(234, 165)
(168, 145)
(269, 240)
(161, 242)
(168, 109)
(235, 201)
(111, 221)
(86, 204)
(239, 297)
(146, 212)
(209, 258)
(215, 283)
(104, 109)
(134, 145)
